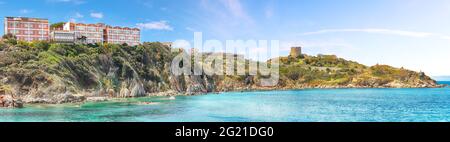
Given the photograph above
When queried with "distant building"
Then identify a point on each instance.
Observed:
(27, 29)
(30, 29)
(89, 33)
(121, 35)
(101, 33)
(62, 36)
(295, 52)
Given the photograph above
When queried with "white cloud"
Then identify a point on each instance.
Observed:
(445, 37)
(72, 20)
(227, 9)
(235, 7)
(97, 15)
(163, 8)
(226, 19)
(78, 15)
(146, 3)
(25, 11)
(158, 25)
(190, 29)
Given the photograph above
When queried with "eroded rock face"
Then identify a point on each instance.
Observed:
(132, 89)
(10, 102)
(69, 98)
(193, 84)
(55, 77)
(124, 92)
(118, 72)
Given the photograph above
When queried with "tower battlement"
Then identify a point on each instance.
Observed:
(295, 52)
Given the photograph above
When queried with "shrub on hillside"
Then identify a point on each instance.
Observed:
(40, 45)
(3, 46)
(10, 39)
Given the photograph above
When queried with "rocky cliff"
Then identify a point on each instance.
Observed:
(40, 72)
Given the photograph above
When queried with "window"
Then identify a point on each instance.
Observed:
(91, 29)
(14, 32)
(80, 28)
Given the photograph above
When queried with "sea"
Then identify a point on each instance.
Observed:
(308, 105)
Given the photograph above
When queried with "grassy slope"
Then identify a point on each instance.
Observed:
(333, 71)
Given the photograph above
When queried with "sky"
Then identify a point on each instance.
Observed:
(413, 34)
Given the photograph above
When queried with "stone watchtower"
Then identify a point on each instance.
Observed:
(295, 52)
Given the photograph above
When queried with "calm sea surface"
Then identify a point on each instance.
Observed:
(313, 105)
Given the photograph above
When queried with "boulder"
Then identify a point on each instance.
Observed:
(96, 99)
(138, 90)
(124, 92)
(69, 98)
(10, 102)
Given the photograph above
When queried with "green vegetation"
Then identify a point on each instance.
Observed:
(329, 70)
(42, 69)
(320, 70)
(9, 39)
(29, 66)
(57, 25)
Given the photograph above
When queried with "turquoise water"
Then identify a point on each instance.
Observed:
(312, 105)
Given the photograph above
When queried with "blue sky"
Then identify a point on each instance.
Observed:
(414, 34)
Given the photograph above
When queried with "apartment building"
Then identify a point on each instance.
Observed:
(61, 36)
(88, 33)
(121, 35)
(27, 29)
(30, 29)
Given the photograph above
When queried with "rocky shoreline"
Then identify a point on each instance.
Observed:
(50, 73)
(6, 101)
(10, 102)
